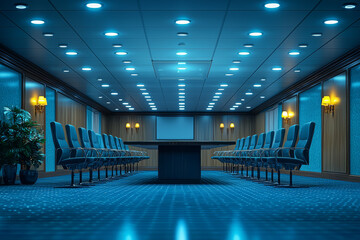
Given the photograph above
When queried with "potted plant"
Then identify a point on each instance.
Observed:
(20, 144)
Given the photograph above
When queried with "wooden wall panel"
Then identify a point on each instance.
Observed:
(334, 127)
(290, 105)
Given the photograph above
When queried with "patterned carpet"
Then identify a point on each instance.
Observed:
(138, 207)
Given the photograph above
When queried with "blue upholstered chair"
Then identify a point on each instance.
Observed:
(256, 155)
(246, 154)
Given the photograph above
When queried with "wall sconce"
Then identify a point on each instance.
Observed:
(232, 125)
(222, 125)
(287, 115)
(137, 125)
(329, 104)
(128, 125)
(40, 104)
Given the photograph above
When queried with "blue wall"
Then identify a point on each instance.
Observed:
(50, 117)
(310, 110)
(354, 121)
(10, 88)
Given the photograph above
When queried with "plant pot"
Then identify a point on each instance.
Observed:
(9, 174)
(28, 177)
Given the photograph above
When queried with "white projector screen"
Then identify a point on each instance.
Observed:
(175, 128)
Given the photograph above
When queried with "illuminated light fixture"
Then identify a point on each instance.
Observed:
(248, 107)
(114, 93)
(221, 89)
(151, 103)
(142, 89)
(148, 97)
(40, 104)
(216, 97)
(229, 74)
(100, 79)
(127, 61)
(128, 106)
(272, 5)
(182, 34)
(211, 103)
(208, 109)
(236, 61)
(255, 34)
(111, 34)
(125, 103)
(222, 125)
(329, 104)
(262, 97)
(248, 45)
(140, 85)
(232, 109)
(37, 21)
(235, 106)
(257, 85)
(117, 45)
(181, 68)
(182, 22)
(63, 45)
(215, 100)
(94, 5)
(218, 93)
(303, 45)
(181, 100)
(211, 106)
(181, 96)
(137, 125)
(105, 85)
(232, 125)
(120, 99)
(100, 97)
(181, 103)
(181, 85)
(238, 103)
(181, 53)
(86, 68)
(276, 68)
(181, 109)
(66, 70)
(181, 79)
(127, 125)
(316, 34)
(294, 53)
(21, 6)
(131, 109)
(349, 5)
(287, 115)
(297, 70)
(234, 69)
(181, 93)
(242, 99)
(244, 53)
(130, 69)
(181, 63)
(71, 53)
(224, 85)
(108, 102)
(181, 89)
(48, 34)
(331, 22)
(121, 53)
(134, 74)
(145, 93)
(116, 109)
(154, 109)
(263, 79)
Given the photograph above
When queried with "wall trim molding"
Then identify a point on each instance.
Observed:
(339, 65)
(20, 64)
(180, 113)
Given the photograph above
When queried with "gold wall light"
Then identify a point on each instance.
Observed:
(329, 104)
(137, 125)
(222, 125)
(287, 115)
(232, 125)
(128, 125)
(40, 104)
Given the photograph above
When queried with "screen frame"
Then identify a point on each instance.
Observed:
(156, 132)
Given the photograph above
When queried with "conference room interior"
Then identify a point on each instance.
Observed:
(163, 119)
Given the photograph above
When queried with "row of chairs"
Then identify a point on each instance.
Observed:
(268, 150)
(93, 151)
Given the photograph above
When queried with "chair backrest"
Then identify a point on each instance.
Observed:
(84, 138)
(279, 138)
(253, 141)
(61, 145)
(117, 143)
(269, 139)
(261, 141)
(305, 139)
(237, 144)
(100, 140)
(291, 139)
(247, 143)
(93, 139)
(73, 140)
(106, 141)
(112, 142)
(122, 145)
(241, 144)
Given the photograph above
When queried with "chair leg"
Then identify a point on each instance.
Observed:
(278, 177)
(90, 175)
(99, 178)
(266, 174)
(80, 177)
(106, 173)
(258, 173)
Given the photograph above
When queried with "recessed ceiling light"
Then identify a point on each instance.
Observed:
(181, 96)
(263, 79)
(111, 34)
(66, 70)
(148, 96)
(86, 68)
(248, 45)
(130, 69)
(242, 99)
(181, 99)
(181, 93)
(257, 85)
(99, 79)
(125, 103)
(349, 5)
(37, 21)
(128, 106)
(94, 5)
(108, 102)
(182, 34)
(154, 109)
(331, 22)
(181, 79)
(210, 106)
(248, 93)
(208, 109)
(48, 34)
(215, 100)
(276, 68)
(248, 107)
(235, 106)
(134, 74)
(181, 53)
(224, 85)
(221, 89)
(21, 6)
(232, 109)
(151, 103)
(142, 89)
(216, 97)
(114, 93)
(131, 109)
(236, 61)
(121, 53)
(255, 34)
(238, 103)
(244, 53)
(120, 100)
(182, 21)
(229, 74)
(140, 85)
(181, 68)
(182, 63)
(218, 93)
(297, 70)
(100, 97)
(262, 96)
(105, 85)
(316, 34)
(116, 109)
(212, 103)
(71, 53)
(117, 45)
(303, 45)
(63, 45)
(294, 53)
(181, 85)
(127, 61)
(272, 5)
(181, 103)
(234, 69)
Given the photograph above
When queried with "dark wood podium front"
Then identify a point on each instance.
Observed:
(180, 160)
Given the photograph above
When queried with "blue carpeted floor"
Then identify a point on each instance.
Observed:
(222, 207)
